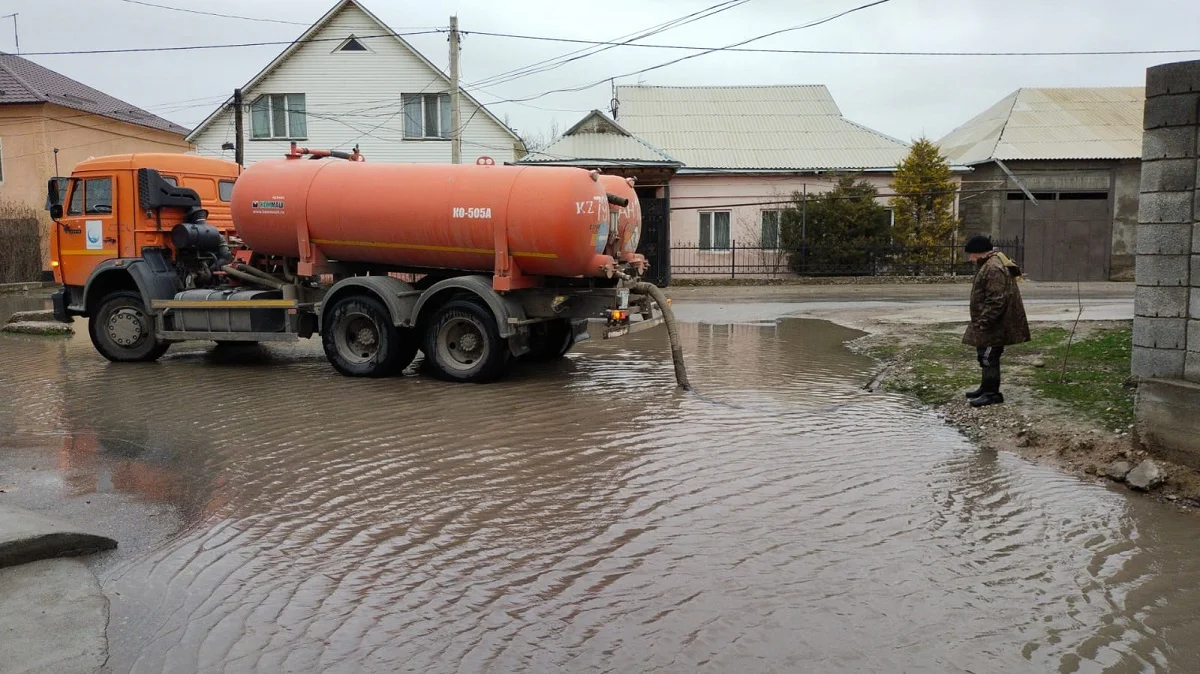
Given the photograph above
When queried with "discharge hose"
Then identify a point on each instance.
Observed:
(660, 298)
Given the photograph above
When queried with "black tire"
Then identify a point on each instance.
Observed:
(482, 356)
(122, 331)
(360, 339)
(549, 341)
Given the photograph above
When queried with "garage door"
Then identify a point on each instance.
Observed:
(1067, 236)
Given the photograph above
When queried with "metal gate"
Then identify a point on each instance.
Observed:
(1067, 236)
(654, 244)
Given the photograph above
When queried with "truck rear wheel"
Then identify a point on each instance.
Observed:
(123, 332)
(360, 339)
(463, 344)
(549, 341)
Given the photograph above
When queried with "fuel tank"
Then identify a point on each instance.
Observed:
(554, 220)
(629, 218)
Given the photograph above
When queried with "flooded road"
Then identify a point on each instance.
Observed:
(583, 516)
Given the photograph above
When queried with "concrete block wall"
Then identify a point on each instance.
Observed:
(1166, 341)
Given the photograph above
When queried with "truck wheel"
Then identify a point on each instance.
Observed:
(123, 332)
(361, 341)
(463, 344)
(549, 341)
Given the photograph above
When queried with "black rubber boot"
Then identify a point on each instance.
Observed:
(990, 390)
(971, 395)
(988, 399)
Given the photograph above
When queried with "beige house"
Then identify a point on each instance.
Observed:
(41, 110)
(1059, 169)
(715, 166)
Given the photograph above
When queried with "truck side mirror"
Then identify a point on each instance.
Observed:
(53, 196)
(56, 211)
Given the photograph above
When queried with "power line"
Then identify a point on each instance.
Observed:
(139, 50)
(710, 50)
(217, 14)
(559, 61)
(841, 52)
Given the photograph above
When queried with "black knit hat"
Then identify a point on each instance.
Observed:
(979, 244)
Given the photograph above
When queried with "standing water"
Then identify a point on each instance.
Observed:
(581, 516)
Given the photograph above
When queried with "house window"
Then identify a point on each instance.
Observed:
(770, 230)
(426, 115)
(278, 116)
(91, 197)
(714, 231)
(352, 44)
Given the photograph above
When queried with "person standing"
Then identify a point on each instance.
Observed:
(997, 316)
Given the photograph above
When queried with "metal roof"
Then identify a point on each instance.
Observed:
(1082, 123)
(597, 137)
(23, 81)
(754, 128)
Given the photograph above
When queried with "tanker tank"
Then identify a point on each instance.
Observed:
(554, 221)
(629, 217)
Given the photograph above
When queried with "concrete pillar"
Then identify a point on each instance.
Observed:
(1167, 222)
(1166, 327)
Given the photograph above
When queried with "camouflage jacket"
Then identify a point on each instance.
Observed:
(997, 313)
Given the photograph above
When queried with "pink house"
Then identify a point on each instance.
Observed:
(715, 165)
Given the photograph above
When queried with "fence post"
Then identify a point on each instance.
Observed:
(732, 259)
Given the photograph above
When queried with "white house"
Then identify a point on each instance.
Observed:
(349, 79)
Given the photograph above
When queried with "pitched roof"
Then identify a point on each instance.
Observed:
(316, 28)
(598, 138)
(754, 128)
(23, 81)
(1083, 123)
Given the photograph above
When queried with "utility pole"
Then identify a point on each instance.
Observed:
(238, 147)
(16, 34)
(455, 115)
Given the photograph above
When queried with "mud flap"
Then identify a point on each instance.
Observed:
(579, 331)
(58, 301)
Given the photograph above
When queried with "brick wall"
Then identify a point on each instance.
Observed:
(1166, 335)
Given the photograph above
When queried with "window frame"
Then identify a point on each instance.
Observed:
(79, 188)
(712, 238)
(443, 115)
(341, 48)
(288, 112)
(762, 223)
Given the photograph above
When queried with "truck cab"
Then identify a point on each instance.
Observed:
(100, 215)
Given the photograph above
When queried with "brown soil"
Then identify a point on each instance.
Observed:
(1038, 429)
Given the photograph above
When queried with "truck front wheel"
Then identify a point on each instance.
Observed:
(123, 332)
(360, 339)
(463, 344)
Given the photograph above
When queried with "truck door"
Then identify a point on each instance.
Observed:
(89, 232)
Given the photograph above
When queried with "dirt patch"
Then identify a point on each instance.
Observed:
(1077, 417)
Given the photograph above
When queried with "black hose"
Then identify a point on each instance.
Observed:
(659, 297)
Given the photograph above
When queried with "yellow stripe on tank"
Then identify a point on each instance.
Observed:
(432, 249)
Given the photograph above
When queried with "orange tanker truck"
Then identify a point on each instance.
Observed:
(510, 262)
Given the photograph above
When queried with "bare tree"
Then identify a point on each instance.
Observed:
(540, 140)
(764, 244)
(20, 243)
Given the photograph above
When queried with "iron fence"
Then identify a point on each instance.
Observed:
(756, 261)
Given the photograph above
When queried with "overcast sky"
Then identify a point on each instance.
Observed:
(904, 96)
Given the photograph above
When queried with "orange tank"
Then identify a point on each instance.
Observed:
(629, 218)
(554, 221)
